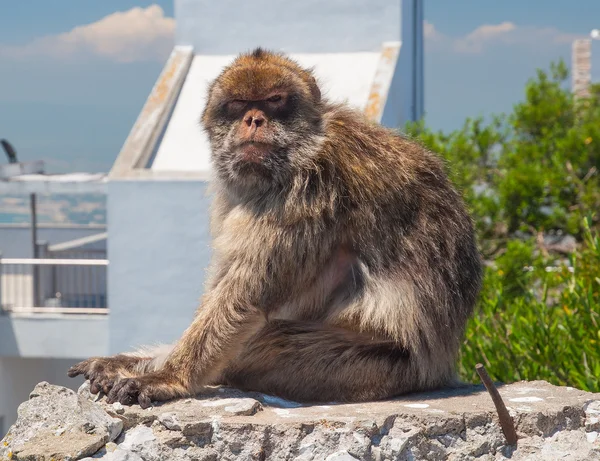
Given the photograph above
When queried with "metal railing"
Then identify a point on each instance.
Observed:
(80, 248)
(30, 285)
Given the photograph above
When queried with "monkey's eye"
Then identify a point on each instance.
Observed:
(275, 98)
(236, 104)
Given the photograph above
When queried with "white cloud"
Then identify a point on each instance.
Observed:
(146, 34)
(429, 31)
(476, 40)
(507, 33)
(139, 34)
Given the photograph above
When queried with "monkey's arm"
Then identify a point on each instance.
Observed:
(222, 326)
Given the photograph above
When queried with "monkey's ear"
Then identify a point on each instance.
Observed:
(314, 89)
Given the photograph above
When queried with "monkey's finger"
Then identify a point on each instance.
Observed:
(84, 368)
(95, 387)
(76, 370)
(109, 382)
(93, 375)
(107, 386)
(129, 392)
(113, 395)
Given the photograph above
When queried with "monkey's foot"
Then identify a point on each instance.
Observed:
(105, 372)
(157, 386)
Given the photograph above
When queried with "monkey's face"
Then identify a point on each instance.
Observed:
(263, 119)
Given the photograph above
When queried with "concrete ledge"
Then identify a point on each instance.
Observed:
(224, 424)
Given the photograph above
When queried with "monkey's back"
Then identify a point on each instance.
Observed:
(412, 233)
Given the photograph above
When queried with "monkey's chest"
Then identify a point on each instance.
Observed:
(334, 285)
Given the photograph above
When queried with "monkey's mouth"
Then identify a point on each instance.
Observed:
(254, 152)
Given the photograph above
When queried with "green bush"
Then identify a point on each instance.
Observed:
(526, 175)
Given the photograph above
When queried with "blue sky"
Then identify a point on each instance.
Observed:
(71, 87)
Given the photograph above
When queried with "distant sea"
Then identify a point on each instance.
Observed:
(55, 209)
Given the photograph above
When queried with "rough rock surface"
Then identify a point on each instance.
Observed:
(223, 424)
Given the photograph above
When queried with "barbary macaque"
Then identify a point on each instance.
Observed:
(345, 264)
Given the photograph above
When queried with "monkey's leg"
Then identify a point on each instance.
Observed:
(104, 372)
(309, 362)
(228, 318)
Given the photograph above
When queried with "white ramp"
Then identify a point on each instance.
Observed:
(347, 77)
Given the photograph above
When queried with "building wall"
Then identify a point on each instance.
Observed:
(309, 26)
(18, 377)
(53, 336)
(159, 249)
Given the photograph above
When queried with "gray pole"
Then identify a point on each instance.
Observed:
(36, 275)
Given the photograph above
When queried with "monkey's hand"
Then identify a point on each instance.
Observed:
(105, 372)
(156, 386)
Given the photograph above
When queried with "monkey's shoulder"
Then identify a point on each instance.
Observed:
(374, 155)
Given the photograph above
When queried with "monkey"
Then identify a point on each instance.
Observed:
(345, 264)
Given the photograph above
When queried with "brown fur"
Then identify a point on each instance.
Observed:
(345, 264)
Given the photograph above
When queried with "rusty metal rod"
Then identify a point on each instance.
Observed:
(506, 421)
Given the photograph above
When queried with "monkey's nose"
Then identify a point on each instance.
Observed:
(256, 120)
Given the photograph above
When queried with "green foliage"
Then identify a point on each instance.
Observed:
(523, 175)
(515, 267)
(533, 170)
(538, 323)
